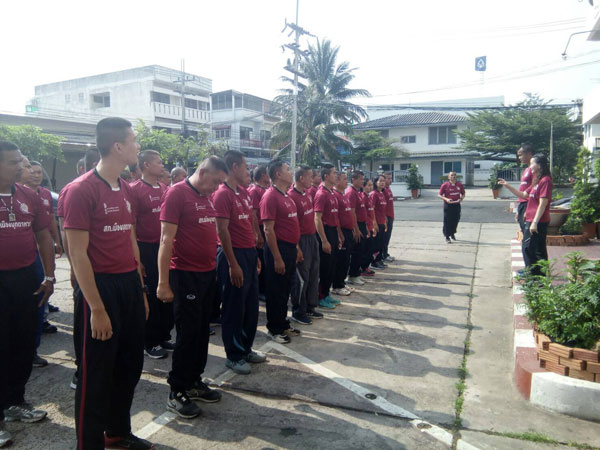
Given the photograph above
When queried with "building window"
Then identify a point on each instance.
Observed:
(408, 139)
(238, 101)
(265, 135)
(442, 135)
(81, 97)
(477, 166)
(453, 166)
(245, 132)
(67, 98)
(161, 98)
(253, 103)
(223, 133)
(191, 103)
(404, 166)
(221, 101)
(101, 100)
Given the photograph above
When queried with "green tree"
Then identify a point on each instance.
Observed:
(370, 146)
(33, 142)
(324, 107)
(528, 121)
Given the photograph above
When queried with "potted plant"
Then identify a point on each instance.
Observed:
(584, 205)
(493, 181)
(414, 180)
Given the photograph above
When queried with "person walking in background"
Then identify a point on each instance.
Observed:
(452, 192)
(537, 213)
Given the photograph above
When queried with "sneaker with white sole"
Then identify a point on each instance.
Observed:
(240, 367)
(280, 338)
(200, 391)
(301, 319)
(333, 301)
(255, 357)
(312, 314)
(74, 381)
(356, 281)
(24, 413)
(324, 303)
(180, 404)
(155, 352)
(5, 436)
(291, 331)
(341, 291)
(389, 259)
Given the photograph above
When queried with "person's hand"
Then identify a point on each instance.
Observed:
(142, 270)
(356, 234)
(47, 287)
(236, 275)
(533, 228)
(101, 326)
(340, 240)
(299, 256)
(146, 306)
(58, 249)
(260, 242)
(326, 247)
(164, 293)
(374, 232)
(279, 266)
(502, 181)
(517, 217)
(258, 266)
(385, 227)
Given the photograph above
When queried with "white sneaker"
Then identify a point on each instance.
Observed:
(341, 291)
(5, 436)
(389, 258)
(357, 281)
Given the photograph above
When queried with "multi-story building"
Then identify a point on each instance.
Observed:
(245, 123)
(151, 93)
(591, 102)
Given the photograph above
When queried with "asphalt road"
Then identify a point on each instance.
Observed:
(473, 211)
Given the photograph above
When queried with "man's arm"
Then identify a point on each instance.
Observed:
(140, 268)
(260, 242)
(235, 271)
(78, 245)
(321, 230)
(44, 242)
(63, 233)
(340, 237)
(272, 243)
(165, 251)
(355, 229)
(55, 235)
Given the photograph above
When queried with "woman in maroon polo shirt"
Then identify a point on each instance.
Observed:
(537, 213)
(452, 193)
(380, 205)
(371, 228)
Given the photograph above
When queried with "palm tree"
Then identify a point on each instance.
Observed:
(324, 107)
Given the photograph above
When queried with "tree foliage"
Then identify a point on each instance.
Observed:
(529, 121)
(33, 142)
(324, 106)
(370, 146)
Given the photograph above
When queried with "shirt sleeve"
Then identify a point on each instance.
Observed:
(223, 204)
(171, 207)
(443, 189)
(319, 205)
(268, 207)
(78, 206)
(545, 188)
(41, 219)
(462, 188)
(254, 195)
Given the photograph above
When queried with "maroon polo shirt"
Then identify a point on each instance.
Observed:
(389, 198)
(60, 204)
(236, 206)
(91, 204)
(46, 198)
(344, 211)
(278, 206)
(452, 191)
(326, 203)
(357, 202)
(526, 180)
(379, 204)
(256, 193)
(22, 214)
(146, 201)
(306, 213)
(370, 209)
(543, 189)
(312, 191)
(195, 243)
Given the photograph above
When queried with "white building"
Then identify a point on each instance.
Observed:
(591, 102)
(245, 123)
(151, 93)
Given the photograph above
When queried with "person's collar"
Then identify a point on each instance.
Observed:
(235, 191)
(327, 189)
(105, 181)
(279, 190)
(301, 193)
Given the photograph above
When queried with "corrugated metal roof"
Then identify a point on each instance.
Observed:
(407, 120)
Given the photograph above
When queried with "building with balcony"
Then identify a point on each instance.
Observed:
(244, 122)
(151, 93)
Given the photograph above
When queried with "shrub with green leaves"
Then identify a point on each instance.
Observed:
(567, 312)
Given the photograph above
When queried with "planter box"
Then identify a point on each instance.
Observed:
(567, 240)
(400, 190)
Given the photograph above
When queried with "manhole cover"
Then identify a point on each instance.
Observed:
(371, 396)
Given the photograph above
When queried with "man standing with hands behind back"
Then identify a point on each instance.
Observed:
(452, 193)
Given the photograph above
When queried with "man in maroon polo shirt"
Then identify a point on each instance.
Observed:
(330, 236)
(147, 194)
(389, 212)
(177, 174)
(187, 277)
(525, 153)
(99, 223)
(282, 232)
(315, 183)
(348, 227)
(359, 221)
(237, 265)
(256, 191)
(23, 229)
(305, 292)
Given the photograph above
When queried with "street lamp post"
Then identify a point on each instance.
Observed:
(551, 147)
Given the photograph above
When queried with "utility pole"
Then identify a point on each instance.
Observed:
(551, 147)
(183, 133)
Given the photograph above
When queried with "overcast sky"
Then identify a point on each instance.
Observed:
(409, 47)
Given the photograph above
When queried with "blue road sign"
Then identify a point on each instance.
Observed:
(481, 63)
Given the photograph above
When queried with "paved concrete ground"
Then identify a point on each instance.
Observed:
(401, 339)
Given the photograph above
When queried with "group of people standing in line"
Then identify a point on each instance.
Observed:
(146, 257)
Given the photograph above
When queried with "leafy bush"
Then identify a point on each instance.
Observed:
(585, 205)
(569, 312)
(572, 226)
(493, 180)
(414, 180)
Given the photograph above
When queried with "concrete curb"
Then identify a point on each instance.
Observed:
(578, 398)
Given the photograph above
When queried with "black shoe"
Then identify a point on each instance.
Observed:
(314, 315)
(180, 404)
(448, 241)
(156, 352)
(200, 391)
(453, 237)
(74, 381)
(168, 345)
(304, 319)
(48, 328)
(39, 361)
(211, 331)
(52, 308)
(262, 298)
(129, 442)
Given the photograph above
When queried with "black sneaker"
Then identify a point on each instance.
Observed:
(48, 328)
(304, 320)
(52, 308)
(155, 352)
(168, 345)
(38, 361)
(291, 331)
(314, 314)
(180, 404)
(211, 331)
(130, 442)
(200, 391)
(448, 241)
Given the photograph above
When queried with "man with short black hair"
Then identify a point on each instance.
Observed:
(256, 191)
(237, 265)
(360, 232)
(305, 292)
(282, 233)
(525, 153)
(315, 183)
(348, 227)
(187, 276)
(99, 223)
(177, 174)
(147, 194)
(23, 229)
(389, 213)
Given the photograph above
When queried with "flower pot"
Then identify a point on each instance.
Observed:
(495, 192)
(589, 230)
(415, 193)
(558, 216)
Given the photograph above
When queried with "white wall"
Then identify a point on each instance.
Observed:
(422, 135)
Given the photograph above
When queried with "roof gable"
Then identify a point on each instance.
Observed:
(407, 120)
